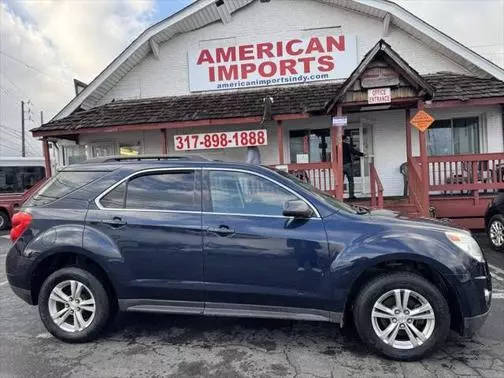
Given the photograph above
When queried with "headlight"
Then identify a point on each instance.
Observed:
(467, 244)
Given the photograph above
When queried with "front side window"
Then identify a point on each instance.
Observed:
(245, 193)
(176, 191)
(454, 137)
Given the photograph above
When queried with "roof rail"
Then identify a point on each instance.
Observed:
(120, 158)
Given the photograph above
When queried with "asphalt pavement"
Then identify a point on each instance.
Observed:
(190, 346)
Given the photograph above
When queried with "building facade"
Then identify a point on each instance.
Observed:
(302, 74)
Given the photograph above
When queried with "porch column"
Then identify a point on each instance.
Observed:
(409, 152)
(337, 153)
(164, 142)
(422, 138)
(280, 143)
(47, 157)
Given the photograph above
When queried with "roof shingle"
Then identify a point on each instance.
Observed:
(306, 98)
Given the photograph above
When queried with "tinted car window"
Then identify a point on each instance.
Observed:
(324, 197)
(164, 191)
(62, 184)
(115, 198)
(244, 193)
(15, 179)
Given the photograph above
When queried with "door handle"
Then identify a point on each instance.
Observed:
(221, 230)
(114, 222)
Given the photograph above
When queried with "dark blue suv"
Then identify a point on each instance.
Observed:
(189, 236)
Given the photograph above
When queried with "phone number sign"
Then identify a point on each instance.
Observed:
(229, 139)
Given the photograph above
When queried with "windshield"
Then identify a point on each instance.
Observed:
(324, 197)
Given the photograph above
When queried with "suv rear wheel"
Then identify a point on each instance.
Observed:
(73, 305)
(402, 315)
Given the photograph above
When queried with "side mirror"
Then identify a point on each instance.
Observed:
(297, 209)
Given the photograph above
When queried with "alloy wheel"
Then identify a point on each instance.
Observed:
(403, 319)
(72, 306)
(497, 233)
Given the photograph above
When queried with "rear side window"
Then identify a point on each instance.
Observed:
(178, 190)
(62, 184)
(115, 198)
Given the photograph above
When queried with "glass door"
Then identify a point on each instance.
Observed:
(361, 138)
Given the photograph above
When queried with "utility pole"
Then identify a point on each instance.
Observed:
(23, 151)
(41, 117)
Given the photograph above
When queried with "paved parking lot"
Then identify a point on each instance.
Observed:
(180, 346)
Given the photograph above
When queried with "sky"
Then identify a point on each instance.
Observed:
(45, 44)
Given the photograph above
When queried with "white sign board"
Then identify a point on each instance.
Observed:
(379, 96)
(228, 139)
(276, 61)
(340, 121)
(302, 158)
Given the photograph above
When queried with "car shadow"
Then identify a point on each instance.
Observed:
(209, 332)
(264, 334)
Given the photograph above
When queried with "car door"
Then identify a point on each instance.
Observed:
(253, 254)
(154, 219)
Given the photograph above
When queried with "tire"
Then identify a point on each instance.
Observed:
(495, 232)
(403, 349)
(89, 323)
(4, 220)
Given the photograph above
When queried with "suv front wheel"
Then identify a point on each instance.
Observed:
(402, 315)
(73, 305)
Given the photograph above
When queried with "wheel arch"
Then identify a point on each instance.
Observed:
(430, 273)
(69, 258)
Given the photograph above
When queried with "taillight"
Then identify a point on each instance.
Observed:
(20, 222)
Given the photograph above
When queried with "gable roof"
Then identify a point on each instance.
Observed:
(301, 99)
(382, 50)
(203, 12)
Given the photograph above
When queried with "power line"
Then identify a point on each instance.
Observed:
(29, 66)
(14, 84)
(8, 91)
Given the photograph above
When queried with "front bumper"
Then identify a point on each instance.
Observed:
(474, 323)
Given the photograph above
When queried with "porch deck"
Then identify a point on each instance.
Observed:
(459, 187)
(460, 208)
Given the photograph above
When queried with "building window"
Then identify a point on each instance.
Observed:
(74, 154)
(129, 150)
(310, 146)
(103, 149)
(454, 137)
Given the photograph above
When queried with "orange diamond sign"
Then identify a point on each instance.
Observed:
(422, 120)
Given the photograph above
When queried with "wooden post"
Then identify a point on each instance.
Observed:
(409, 151)
(47, 157)
(422, 136)
(339, 145)
(164, 142)
(337, 156)
(372, 180)
(474, 180)
(280, 142)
